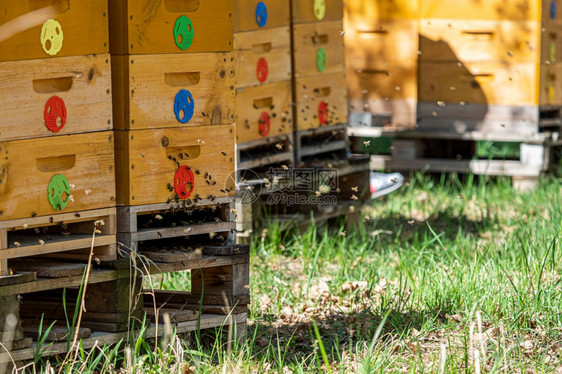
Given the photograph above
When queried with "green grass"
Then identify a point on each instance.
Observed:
(444, 275)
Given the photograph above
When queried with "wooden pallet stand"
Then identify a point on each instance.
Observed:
(259, 155)
(66, 236)
(442, 152)
(114, 301)
(162, 232)
(324, 142)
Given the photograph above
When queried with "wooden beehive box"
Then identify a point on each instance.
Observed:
(57, 96)
(166, 90)
(318, 48)
(263, 111)
(170, 26)
(531, 10)
(262, 56)
(305, 11)
(38, 175)
(73, 28)
(161, 165)
(261, 14)
(321, 100)
(387, 90)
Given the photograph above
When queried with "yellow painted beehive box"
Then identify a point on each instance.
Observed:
(261, 14)
(68, 28)
(170, 26)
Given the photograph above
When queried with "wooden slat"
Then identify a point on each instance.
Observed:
(311, 91)
(174, 232)
(145, 28)
(101, 338)
(309, 38)
(273, 45)
(144, 159)
(145, 88)
(82, 82)
(86, 160)
(273, 99)
(481, 167)
(278, 14)
(57, 246)
(83, 23)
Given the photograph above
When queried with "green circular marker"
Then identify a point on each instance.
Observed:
(552, 52)
(58, 192)
(183, 33)
(321, 59)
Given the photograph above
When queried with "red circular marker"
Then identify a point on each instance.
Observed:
(264, 124)
(262, 69)
(323, 114)
(184, 182)
(54, 109)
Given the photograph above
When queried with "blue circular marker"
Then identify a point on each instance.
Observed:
(261, 14)
(183, 106)
(553, 10)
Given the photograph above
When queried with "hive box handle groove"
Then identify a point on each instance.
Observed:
(51, 85)
(322, 92)
(182, 79)
(56, 163)
(265, 102)
(181, 6)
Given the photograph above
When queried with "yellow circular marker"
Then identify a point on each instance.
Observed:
(51, 37)
(550, 93)
(319, 9)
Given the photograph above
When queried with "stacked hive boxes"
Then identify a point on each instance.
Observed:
(56, 142)
(382, 61)
(489, 66)
(174, 97)
(319, 76)
(262, 44)
(57, 174)
(173, 106)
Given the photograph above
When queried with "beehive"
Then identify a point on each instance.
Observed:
(381, 41)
